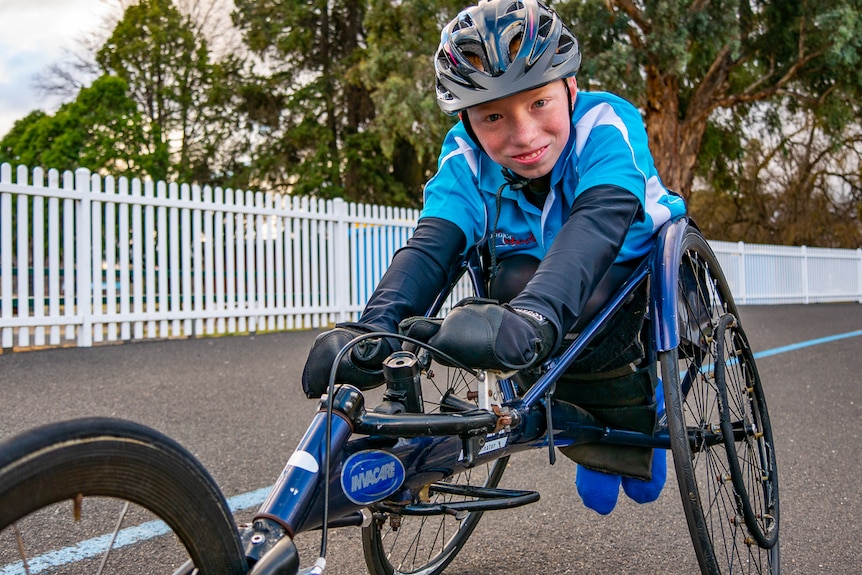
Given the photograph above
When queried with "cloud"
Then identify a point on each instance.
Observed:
(35, 35)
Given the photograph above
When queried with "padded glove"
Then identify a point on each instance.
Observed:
(362, 366)
(483, 334)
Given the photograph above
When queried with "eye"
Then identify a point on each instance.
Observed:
(540, 103)
(490, 118)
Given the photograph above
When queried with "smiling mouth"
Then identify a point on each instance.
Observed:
(530, 156)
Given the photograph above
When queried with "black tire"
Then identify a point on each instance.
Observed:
(75, 471)
(719, 425)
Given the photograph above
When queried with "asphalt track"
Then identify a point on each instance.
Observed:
(235, 403)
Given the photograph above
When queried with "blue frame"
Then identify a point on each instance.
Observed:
(296, 502)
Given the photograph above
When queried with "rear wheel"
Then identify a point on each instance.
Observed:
(721, 436)
(110, 496)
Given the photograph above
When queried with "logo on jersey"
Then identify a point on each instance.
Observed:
(511, 240)
(370, 476)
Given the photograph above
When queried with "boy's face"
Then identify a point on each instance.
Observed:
(526, 132)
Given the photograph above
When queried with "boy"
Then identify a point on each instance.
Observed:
(560, 184)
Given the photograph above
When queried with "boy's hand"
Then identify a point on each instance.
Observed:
(484, 334)
(362, 366)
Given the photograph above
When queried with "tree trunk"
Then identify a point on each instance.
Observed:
(663, 127)
(674, 141)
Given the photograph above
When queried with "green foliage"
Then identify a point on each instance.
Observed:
(752, 107)
(398, 69)
(100, 131)
(184, 98)
(355, 84)
(720, 80)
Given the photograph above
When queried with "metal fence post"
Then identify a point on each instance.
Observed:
(743, 295)
(84, 249)
(341, 278)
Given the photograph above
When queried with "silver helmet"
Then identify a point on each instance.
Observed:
(499, 48)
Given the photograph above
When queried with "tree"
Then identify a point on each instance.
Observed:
(316, 110)
(308, 48)
(99, 130)
(398, 69)
(181, 94)
(797, 187)
(691, 63)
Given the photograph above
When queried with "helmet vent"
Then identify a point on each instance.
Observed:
(464, 22)
(566, 44)
(514, 7)
(545, 24)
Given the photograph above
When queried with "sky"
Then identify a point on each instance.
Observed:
(33, 36)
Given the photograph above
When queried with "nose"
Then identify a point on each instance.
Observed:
(522, 130)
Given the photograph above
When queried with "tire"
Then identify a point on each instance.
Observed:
(721, 437)
(59, 486)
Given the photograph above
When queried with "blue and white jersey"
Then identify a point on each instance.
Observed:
(608, 145)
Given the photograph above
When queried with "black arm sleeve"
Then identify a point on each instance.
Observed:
(417, 274)
(583, 251)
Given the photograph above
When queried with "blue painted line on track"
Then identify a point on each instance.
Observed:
(96, 546)
(131, 535)
(809, 343)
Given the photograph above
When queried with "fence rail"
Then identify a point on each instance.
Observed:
(763, 274)
(86, 259)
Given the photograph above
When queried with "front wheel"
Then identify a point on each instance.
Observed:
(721, 436)
(397, 544)
(404, 544)
(110, 496)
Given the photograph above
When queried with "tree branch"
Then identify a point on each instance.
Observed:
(628, 8)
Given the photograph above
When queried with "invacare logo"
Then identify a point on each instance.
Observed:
(370, 476)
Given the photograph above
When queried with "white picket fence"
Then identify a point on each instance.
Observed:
(86, 259)
(763, 274)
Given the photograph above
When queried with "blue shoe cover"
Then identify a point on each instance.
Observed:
(599, 491)
(647, 491)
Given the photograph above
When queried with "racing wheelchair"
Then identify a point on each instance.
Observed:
(417, 472)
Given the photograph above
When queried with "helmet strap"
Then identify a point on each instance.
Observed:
(465, 119)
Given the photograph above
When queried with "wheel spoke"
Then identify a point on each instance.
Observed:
(426, 544)
(120, 519)
(715, 395)
(22, 553)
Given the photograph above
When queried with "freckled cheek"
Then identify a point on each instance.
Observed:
(493, 144)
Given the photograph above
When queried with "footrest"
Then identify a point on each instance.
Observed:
(483, 499)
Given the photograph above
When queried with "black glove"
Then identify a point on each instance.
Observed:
(362, 366)
(484, 334)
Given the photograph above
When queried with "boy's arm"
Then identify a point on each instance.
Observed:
(528, 329)
(417, 274)
(583, 251)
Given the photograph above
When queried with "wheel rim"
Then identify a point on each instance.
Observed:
(722, 537)
(747, 434)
